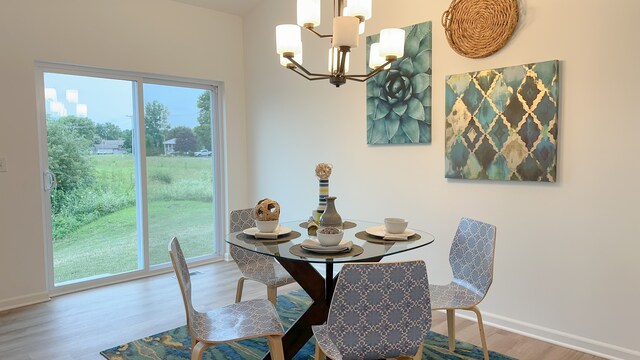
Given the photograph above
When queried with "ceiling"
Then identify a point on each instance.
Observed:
(236, 7)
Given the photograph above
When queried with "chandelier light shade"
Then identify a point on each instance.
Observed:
(288, 39)
(348, 24)
(375, 59)
(308, 13)
(347, 12)
(345, 31)
(360, 9)
(392, 43)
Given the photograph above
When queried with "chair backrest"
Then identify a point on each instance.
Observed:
(184, 279)
(380, 310)
(241, 219)
(472, 254)
(248, 261)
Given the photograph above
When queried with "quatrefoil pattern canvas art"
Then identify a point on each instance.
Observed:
(502, 124)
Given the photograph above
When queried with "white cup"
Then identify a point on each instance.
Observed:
(269, 226)
(395, 225)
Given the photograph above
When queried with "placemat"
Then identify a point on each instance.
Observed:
(297, 250)
(363, 235)
(284, 238)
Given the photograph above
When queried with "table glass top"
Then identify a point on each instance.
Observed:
(366, 246)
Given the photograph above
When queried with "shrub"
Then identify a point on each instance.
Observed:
(161, 176)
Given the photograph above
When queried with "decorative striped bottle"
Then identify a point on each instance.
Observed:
(322, 199)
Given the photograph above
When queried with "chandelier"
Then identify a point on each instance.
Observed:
(348, 24)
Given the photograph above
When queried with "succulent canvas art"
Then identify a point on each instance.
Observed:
(399, 98)
(502, 124)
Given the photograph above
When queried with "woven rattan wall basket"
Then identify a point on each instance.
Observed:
(479, 28)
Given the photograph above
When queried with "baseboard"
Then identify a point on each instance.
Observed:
(556, 337)
(21, 301)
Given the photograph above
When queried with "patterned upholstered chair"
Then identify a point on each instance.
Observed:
(378, 310)
(245, 320)
(471, 259)
(254, 266)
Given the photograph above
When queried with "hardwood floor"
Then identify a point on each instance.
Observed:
(78, 326)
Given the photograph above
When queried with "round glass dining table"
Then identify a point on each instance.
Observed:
(368, 245)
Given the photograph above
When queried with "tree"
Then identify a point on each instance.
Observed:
(203, 131)
(83, 127)
(156, 126)
(68, 155)
(127, 136)
(108, 131)
(185, 139)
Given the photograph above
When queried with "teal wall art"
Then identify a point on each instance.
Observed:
(399, 98)
(502, 124)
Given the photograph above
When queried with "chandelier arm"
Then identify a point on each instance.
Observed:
(317, 33)
(324, 77)
(297, 64)
(363, 78)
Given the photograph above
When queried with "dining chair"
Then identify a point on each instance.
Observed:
(244, 320)
(378, 310)
(254, 266)
(471, 258)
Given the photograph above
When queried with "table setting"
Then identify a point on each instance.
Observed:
(324, 238)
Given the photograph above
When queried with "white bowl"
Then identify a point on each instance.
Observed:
(329, 239)
(269, 226)
(395, 225)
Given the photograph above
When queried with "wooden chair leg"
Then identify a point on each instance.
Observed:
(239, 289)
(272, 294)
(451, 327)
(198, 349)
(419, 353)
(319, 355)
(275, 347)
(485, 350)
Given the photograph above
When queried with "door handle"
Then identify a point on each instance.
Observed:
(50, 182)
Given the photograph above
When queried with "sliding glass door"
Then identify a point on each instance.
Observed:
(129, 164)
(93, 202)
(179, 169)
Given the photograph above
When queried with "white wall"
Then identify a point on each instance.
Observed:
(567, 264)
(151, 36)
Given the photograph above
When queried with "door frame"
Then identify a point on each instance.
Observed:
(218, 137)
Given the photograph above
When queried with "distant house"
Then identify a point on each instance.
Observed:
(110, 147)
(169, 146)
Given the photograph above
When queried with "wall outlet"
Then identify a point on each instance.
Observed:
(3, 164)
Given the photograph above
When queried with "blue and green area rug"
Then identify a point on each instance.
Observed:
(175, 344)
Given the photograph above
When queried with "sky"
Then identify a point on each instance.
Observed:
(110, 100)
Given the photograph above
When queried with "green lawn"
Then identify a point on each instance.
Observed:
(110, 246)
(180, 204)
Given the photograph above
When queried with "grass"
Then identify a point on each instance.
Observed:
(180, 204)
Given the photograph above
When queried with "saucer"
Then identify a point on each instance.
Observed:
(313, 245)
(280, 230)
(380, 231)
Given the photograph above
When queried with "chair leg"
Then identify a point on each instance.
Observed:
(319, 355)
(419, 353)
(275, 347)
(485, 350)
(239, 289)
(451, 327)
(198, 349)
(272, 294)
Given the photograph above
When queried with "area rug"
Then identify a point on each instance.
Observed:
(175, 344)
